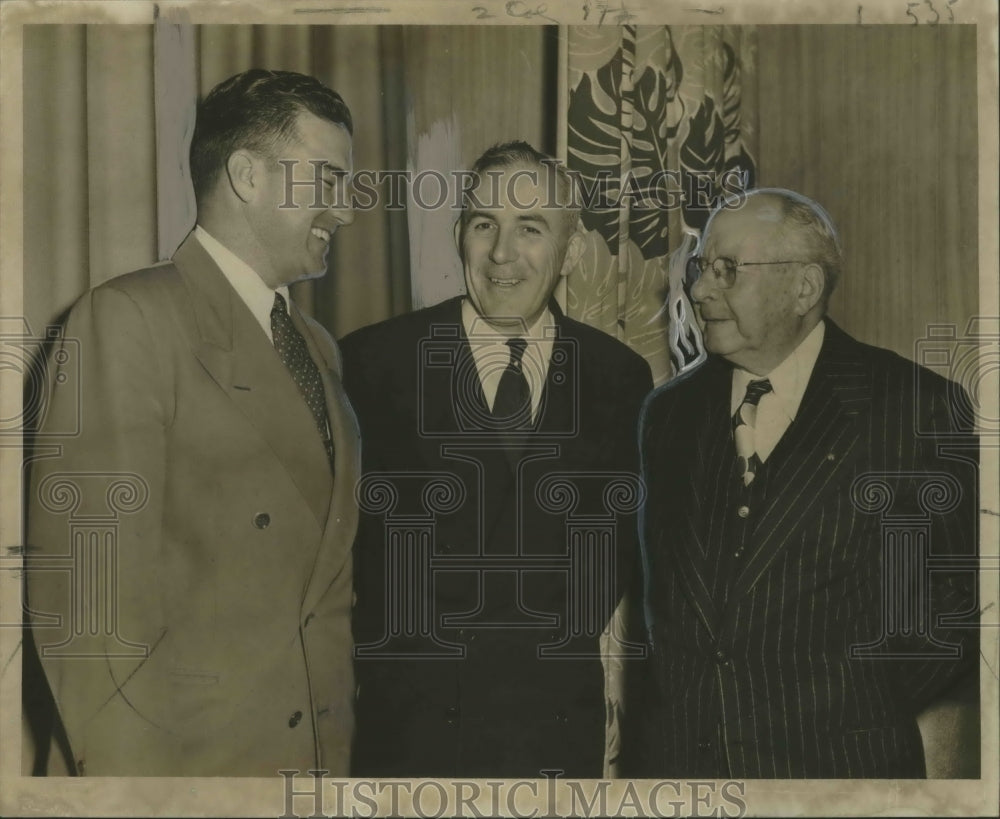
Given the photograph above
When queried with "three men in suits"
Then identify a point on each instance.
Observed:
(498, 502)
(191, 507)
(797, 483)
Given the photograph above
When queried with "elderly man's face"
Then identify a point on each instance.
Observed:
(754, 323)
(515, 248)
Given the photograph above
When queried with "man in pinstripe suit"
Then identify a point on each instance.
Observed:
(789, 496)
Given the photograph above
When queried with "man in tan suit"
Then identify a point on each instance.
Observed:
(189, 550)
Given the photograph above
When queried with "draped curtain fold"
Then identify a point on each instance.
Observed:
(661, 122)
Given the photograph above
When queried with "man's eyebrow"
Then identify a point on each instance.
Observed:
(336, 170)
(521, 217)
(482, 214)
(535, 216)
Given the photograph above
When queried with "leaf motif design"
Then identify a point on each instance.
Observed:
(648, 224)
(594, 145)
(702, 157)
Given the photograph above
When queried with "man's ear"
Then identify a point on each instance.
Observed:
(810, 291)
(457, 231)
(574, 250)
(241, 171)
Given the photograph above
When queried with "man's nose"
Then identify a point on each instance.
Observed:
(504, 249)
(703, 286)
(344, 216)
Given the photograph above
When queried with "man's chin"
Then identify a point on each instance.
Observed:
(507, 325)
(718, 340)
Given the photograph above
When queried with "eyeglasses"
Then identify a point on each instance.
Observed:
(723, 269)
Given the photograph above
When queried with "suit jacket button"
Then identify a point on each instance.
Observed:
(262, 520)
(294, 719)
(743, 511)
(704, 746)
(451, 714)
(720, 657)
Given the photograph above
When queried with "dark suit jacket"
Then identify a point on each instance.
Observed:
(512, 553)
(178, 453)
(755, 596)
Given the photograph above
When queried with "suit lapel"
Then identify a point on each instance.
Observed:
(448, 394)
(816, 454)
(558, 409)
(333, 552)
(238, 356)
(710, 460)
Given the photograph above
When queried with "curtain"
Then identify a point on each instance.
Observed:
(661, 122)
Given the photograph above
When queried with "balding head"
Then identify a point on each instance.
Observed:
(803, 227)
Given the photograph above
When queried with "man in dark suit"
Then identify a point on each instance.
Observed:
(211, 482)
(795, 483)
(498, 501)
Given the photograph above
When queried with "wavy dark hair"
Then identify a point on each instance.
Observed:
(256, 110)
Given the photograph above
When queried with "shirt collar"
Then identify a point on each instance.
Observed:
(249, 286)
(489, 347)
(789, 378)
(476, 326)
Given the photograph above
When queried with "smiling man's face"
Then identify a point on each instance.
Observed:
(514, 248)
(293, 237)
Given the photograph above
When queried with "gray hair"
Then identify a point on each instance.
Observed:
(807, 222)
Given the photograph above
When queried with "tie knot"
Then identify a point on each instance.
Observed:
(517, 348)
(756, 390)
(279, 304)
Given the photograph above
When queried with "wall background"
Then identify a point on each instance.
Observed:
(879, 125)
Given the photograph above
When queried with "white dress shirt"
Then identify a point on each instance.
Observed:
(491, 353)
(777, 409)
(249, 286)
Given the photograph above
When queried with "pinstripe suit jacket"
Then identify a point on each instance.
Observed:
(758, 599)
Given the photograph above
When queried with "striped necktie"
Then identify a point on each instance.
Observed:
(744, 420)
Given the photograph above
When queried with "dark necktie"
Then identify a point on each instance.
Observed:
(512, 405)
(744, 421)
(292, 350)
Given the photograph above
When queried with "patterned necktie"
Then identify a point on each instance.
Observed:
(292, 350)
(744, 420)
(512, 405)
